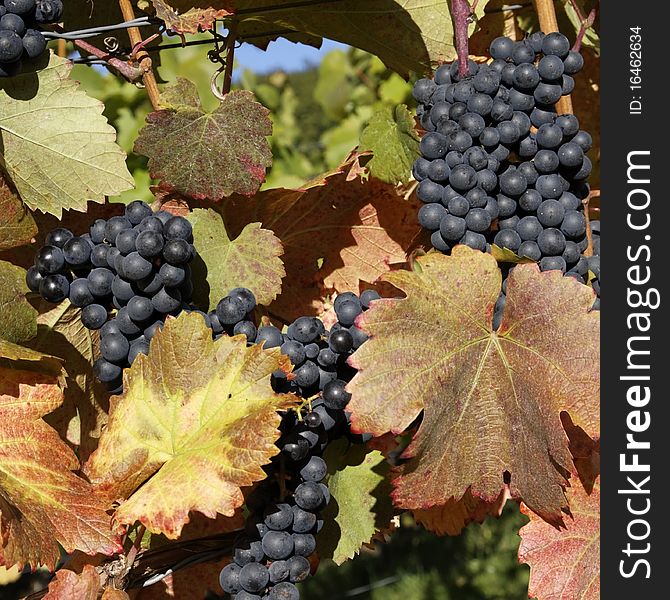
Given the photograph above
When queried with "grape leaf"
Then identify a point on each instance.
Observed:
(18, 320)
(42, 503)
(360, 503)
(452, 517)
(197, 416)
(58, 149)
(337, 234)
(408, 35)
(505, 255)
(189, 22)
(565, 565)
(491, 399)
(84, 410)
(17, 226)
(208, 155)
(391, 136)
(68, 585)
(251, 260)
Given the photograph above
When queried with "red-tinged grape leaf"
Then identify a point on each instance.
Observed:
(208, 155)
(195, 582)
(68, 585)
(585, 452)
(29, 360)
(72, 157)
(337, 235)
(451, 518)
(42, 502)
(392, 138)
(564, 564)
(491, 399)
(83, 414)
(18, 320)
(360, 503)
(196, 416)
(192, 21)
(251, 260)
(17, 226)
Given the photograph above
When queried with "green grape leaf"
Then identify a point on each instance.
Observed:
(43, 504)
(58, 149)
(208, 155)
(391, 136)
(251, 260)
(18, 320)
(17, 226)
(360, 504)
(491, 399)
(198, 416)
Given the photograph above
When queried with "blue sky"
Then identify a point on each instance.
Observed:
(281, 54)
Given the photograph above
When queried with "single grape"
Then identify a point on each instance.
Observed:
(139, 308)
(278, 517)
(178, 228)
(278, 571)
(430, 216)
(54, 288)
(556, 44)
(80, 294)
(295, 351)
(551, 242)
(34, 43)
(230, 310)
(340, 341)
(126, 240)
(550, 213)
(246, 296)
(507, 238)
(270, 336)
(229, 579)
(315, 469)
(114, 226)
(284, 591)
(93, 316)
(307, 374)
(106, 371)
(149, 243)
(136, 267)
(136, 211)
(530, 249)
(246, 328)
(114, 347)
(166, 300)
(77, 251)
(177, 252)
(278, 545)
(304, 544)
(299, 569)
(574, 224)
(551, 263)
(335, 396)
(138, 346)
(254, 577)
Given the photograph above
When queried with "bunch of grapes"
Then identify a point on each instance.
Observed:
(499, 165)
(274, 552)
(137, 264)
(20, 38)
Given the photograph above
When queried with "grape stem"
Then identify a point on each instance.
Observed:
(461, 13)
(148, 77)
(586, 24)
(130, 72)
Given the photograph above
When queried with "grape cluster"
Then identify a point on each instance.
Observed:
(279, 538)
(499, 165)
(20, 38)
(137, 263)
(594, 261)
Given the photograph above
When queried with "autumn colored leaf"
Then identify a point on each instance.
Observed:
(251, 260)
(360, 505)
(17, 226)
(451, 518)
(42, 503)
(337, 234)
(197, 416)
(73, 137)
(208, 155)
(18, 320)
(84, 410)
(491, 400)
(391, 136)
(565, 563)
(192, 21)
(67, 585)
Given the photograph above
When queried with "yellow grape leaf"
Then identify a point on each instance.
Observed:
(198, 418)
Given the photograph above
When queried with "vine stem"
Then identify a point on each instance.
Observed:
(548, 23)
(586, 23)
(128, 71)
(148, 77)
(230, 57)
(461, 12)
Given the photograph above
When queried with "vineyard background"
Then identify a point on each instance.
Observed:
(318, 115)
